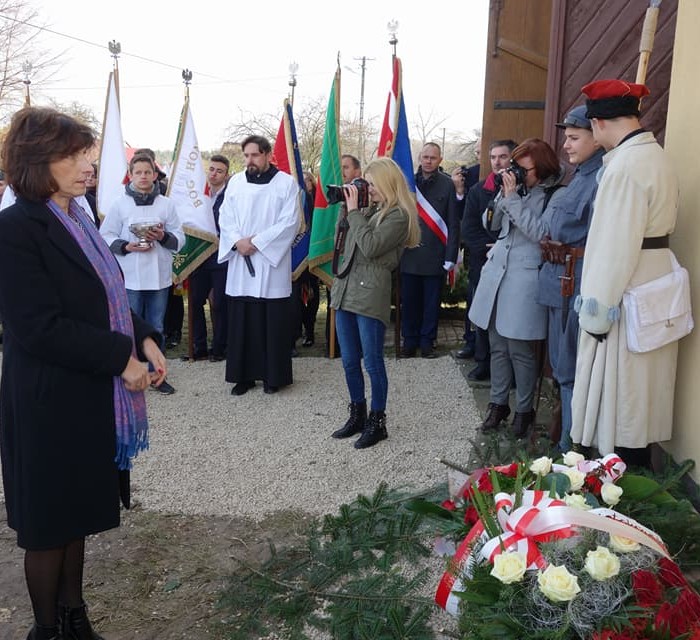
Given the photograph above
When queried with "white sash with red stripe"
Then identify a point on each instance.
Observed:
(432, 218)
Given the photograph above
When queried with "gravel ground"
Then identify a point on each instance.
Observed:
(216, 454)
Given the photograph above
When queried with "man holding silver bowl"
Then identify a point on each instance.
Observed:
(144, 231)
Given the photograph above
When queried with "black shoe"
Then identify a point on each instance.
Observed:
(522, 422)
(497, 413)
(308, 342)
(200, 355)
(165, 388)
(173, 340)
(268, 388)
(217, 357)
(42, 632)
(479, 372)
(408, 352)
(242, 387)
(429, 353)
(374, 431)
(465, 353)
(355, 423)
(76, 626)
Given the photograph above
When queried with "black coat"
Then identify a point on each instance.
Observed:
(428, 257)
(57, 428)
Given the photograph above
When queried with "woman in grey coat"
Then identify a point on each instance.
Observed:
(505, 302)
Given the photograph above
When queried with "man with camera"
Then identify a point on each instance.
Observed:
(476, 240)
(423, 268)
(259, 219)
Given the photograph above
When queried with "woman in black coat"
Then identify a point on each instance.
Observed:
(72, 409)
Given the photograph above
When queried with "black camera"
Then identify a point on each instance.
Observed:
(336, 194)
(514, 168)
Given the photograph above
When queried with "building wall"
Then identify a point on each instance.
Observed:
(683, 145)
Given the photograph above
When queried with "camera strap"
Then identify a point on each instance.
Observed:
(339, 247)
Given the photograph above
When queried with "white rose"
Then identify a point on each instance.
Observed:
(542, 466)
(611, 493)
(623, 545)
(601, 564)
(576, 501)
(558, 584)
(509, 566)
(576, 478)
(571, 458)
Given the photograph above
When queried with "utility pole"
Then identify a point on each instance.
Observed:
(363, 66)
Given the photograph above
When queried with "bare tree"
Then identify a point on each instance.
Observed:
(20, 44)
(428, 128)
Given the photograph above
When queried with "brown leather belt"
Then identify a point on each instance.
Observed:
(659, 242)
(556, 252)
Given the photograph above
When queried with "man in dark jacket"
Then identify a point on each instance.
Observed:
(211, 276)
(423, 268)
(476, 242)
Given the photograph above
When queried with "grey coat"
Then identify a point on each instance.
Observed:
(509, 278)
(373, 252)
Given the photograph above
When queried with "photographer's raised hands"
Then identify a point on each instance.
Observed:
(509, 183)
(350, 196)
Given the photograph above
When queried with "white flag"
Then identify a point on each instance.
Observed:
(113, 165)
(187, 185)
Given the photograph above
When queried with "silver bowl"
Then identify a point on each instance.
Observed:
(141, 229)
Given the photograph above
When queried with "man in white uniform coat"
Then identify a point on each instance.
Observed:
(259, 219)
(622, 400)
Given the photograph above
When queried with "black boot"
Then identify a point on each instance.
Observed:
(522, 422)
(375, 430)
(496, 414)
(42, 632)
(76, 625)
(356, 422)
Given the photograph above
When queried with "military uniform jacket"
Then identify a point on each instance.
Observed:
(427, 259)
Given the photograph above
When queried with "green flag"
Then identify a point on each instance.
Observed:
(325, 215)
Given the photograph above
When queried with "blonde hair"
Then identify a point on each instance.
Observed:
(390, 182)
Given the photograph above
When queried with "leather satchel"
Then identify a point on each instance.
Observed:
(658, 312)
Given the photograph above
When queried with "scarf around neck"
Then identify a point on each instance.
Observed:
(129, 406)
(142, 199)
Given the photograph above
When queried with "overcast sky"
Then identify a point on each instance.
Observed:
(240, 53)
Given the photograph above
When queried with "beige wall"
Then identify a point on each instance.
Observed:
(683, 146)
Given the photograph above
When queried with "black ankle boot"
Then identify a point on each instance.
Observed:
(356, 422)
(496, 414)
(375, 430)
(76, 625)
(522, 422)
(42, 632)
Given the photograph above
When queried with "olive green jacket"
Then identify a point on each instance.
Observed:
(373, 252)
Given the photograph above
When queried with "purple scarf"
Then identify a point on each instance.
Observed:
(129, 406)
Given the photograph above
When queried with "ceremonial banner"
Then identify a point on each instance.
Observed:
(285, 156)
(113, 165)
(187, 186)
(325, 215)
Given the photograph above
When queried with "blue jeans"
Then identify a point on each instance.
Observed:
(150, 305)
(360, 336)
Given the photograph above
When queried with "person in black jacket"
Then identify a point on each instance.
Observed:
(210, 276)
(423, 268)
(72, 408)
(476, 240)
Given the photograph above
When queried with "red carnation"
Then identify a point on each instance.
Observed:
(471, 515)
(670, 574)
(484, 485)
(664, 616)
(593, 484)
(448, 504)
(686, 611)
(647, 588)
(510, 470)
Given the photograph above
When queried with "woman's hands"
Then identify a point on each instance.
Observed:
(136, 376)
(350, 196)
(509, 182)
(155, 356)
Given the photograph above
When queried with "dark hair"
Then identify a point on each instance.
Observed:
(262, 142)
(511, 144)
(543, 157)
(142, 157)
(37, 137)
(353, 160)
(145, 151)
(222, 159)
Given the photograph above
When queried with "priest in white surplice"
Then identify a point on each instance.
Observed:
(259, 219)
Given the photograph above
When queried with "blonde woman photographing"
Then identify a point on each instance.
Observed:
(361, 293)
